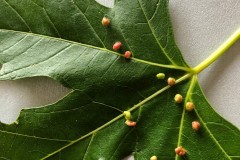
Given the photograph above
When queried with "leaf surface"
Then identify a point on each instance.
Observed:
(65, 40)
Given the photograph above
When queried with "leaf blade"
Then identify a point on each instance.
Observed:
(104, 85)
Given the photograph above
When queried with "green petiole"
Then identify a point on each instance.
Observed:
(224, 47)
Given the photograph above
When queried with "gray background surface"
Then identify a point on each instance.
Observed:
(200, 26)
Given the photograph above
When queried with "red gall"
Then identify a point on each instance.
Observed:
(127, 54)
(117, 46)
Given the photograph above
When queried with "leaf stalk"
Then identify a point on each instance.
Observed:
(217, 53)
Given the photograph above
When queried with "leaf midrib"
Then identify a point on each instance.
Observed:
(115, 53)
(211, 135)
(188, 97)
(140, 104)
(98, 48)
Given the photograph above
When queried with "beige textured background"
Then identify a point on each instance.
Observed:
(200, 26)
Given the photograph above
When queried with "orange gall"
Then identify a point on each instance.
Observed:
(171, 81)
(196, 125)
(117, 46)
(180, 151)
(105, 21)
(130, 123)
(127, 54)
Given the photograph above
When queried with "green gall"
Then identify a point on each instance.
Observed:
(178, 98)
(160, 76)
(127, 115)
(153, 158)
(189, 106)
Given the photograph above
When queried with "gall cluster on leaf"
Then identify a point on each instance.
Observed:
(117, 45)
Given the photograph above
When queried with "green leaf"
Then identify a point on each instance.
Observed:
(65, 40)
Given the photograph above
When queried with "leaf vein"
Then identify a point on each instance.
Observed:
(157, 6)
(122, 141)
(89, 23)
(89, 144)
(109, 67)
(53, 25)
(150, 27)
(20, 40)
(14, 10)
(46, 59)
(30, 136)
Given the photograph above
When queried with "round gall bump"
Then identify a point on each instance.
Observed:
(127, 115)
(160, 76)
(130, 123)
(178, 98)
(105, 21)
(127, 54)
(189, 106)
(117, 45)
(171, 81)
(180, 151)
(153, 158)
(196, 125)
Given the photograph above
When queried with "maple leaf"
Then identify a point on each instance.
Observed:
(65, 40)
